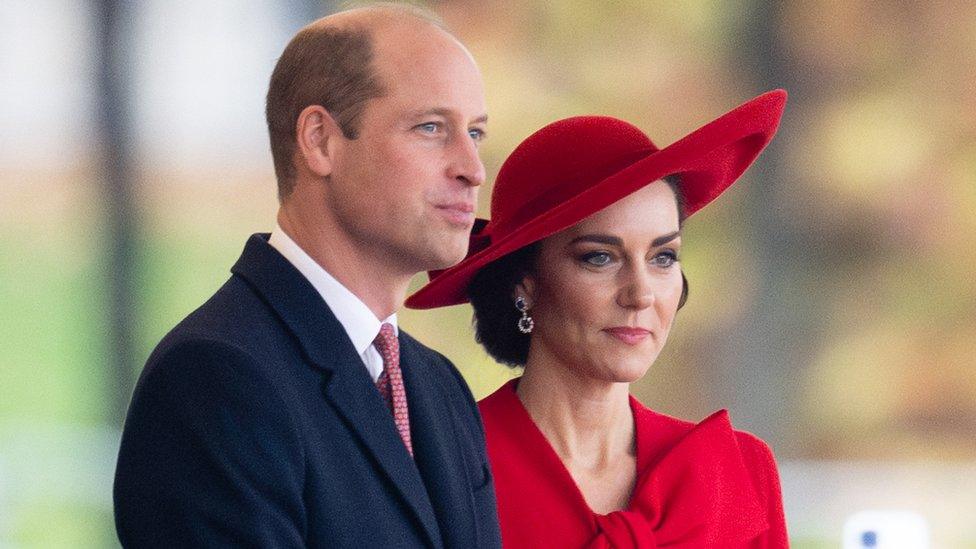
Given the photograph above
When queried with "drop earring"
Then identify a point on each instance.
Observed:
(525, 323)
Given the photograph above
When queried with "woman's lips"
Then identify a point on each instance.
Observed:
(630, 336)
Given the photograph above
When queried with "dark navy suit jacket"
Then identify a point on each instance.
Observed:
(255, 424)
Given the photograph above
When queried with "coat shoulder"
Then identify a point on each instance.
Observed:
(234, 316)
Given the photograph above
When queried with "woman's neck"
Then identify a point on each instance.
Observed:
(587, 421)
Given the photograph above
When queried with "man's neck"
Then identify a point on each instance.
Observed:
(367, 275)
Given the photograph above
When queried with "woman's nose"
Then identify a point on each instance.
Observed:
(637, 291)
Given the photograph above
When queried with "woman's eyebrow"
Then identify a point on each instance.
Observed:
(598, 239)
(662, 240)
(616, 241)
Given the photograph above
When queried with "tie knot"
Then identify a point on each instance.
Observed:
(387, 345)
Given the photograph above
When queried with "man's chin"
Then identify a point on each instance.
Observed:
(448, 256)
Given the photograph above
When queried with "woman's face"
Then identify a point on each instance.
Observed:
(604, 292)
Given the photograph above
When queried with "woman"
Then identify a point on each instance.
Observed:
(576, 278)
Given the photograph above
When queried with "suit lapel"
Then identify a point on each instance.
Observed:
(366, 415)
(436, 450)
(347, 386)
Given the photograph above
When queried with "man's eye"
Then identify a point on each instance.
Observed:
(598, 259)
(477, 134)
(428, 127)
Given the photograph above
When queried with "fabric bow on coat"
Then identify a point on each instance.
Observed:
(698, 494)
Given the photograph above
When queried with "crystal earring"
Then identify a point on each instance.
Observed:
(525, 324)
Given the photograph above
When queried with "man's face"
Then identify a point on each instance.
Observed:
(406, 188)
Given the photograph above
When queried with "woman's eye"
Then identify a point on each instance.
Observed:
(665, 259)
(598, 259)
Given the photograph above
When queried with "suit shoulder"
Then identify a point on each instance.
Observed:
(235, 302)
(196, 362)
(208, 437)
(216, 343)
(180, 346)
(226, 321)
(200, 377)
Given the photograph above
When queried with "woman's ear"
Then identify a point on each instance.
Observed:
(317, 135)
(526, 289)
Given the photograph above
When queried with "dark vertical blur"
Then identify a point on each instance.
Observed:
(113, 94)
(771, 340)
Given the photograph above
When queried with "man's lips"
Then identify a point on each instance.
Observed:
(458, 213)
(629, 335)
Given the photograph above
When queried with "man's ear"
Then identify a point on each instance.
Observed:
(317, 134)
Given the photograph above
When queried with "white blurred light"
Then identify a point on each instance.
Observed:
(886, 530)
(201, 71)
(46, 81)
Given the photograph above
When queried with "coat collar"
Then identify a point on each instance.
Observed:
(296, 302)
(346, 385)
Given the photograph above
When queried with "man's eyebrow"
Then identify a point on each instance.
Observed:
(616, 241)
(439, 111)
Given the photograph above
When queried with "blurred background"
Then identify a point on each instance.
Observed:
(832, 310)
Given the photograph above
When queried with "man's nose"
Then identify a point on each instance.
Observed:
(466, 165)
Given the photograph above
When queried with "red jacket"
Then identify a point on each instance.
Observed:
(698, 486)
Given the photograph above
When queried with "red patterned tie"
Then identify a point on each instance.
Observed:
(390, 382)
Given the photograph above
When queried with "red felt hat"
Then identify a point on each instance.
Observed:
(577, 166)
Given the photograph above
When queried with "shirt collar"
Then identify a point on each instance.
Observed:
(356, 318)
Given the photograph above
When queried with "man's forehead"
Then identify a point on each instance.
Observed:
(435, 90)
(406, 38)
(434, 64)
(420, 65)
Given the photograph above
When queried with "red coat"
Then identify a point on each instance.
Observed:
(703, 485)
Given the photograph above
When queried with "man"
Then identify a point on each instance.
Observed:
(284, 412)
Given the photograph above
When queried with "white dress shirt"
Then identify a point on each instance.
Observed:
(360, 323)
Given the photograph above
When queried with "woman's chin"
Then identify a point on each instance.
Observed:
(633, 377)
(626, 373)
(629, 367)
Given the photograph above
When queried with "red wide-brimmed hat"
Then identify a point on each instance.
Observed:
(577, 166)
